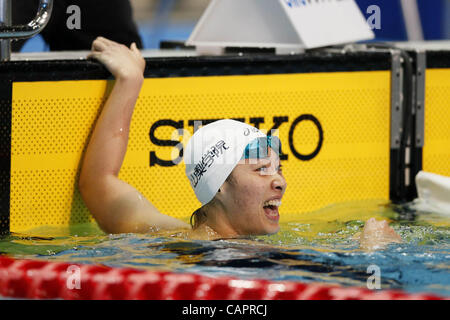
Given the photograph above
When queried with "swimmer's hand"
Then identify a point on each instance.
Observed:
(121, 61)
(377, 235)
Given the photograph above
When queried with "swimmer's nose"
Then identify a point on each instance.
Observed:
(279, 183)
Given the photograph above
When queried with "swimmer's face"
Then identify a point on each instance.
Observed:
(253, 196)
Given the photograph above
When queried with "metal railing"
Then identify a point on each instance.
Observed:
(9, 32)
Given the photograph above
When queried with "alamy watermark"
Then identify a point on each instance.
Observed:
(74, 20)
(74, 279)
(374, 280)
(374, 20)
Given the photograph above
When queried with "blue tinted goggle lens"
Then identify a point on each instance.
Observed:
(259, 148)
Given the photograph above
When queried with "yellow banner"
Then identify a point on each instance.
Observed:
(334, 129)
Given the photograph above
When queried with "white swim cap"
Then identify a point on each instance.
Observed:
(213, 152)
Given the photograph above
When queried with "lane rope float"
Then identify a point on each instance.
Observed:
(36, 279)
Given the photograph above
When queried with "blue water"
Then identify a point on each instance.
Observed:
(315, 247)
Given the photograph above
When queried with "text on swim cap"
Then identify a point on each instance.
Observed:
(207, 161)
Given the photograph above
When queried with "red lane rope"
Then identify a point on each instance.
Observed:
(35, 279)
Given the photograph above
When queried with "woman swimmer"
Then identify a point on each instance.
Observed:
(233, 168)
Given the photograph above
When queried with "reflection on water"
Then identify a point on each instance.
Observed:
(316, 246)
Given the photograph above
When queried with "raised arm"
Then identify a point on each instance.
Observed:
(117, 206)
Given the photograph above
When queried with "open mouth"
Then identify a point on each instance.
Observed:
(271, 209)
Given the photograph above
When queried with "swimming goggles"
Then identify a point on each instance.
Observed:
(259, 147)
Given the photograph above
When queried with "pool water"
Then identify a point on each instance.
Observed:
(311, 247)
